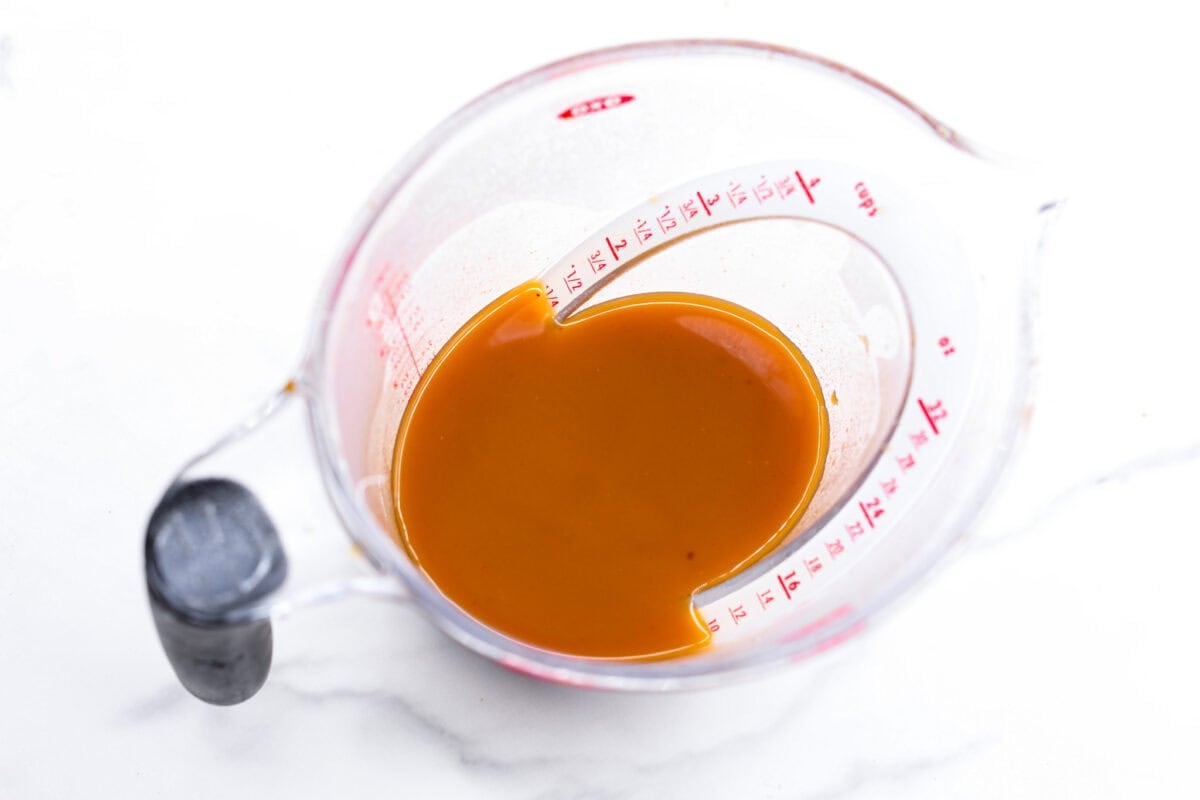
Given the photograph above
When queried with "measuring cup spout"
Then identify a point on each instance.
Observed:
(216, 569)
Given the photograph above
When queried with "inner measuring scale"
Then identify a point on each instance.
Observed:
(940, 327)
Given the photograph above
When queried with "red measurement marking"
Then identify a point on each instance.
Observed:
(816, 625)
(595, 104)
(763, 191)
(597, 261)
(641, 230)
(875, 511)
(890, 487)
(788, 583)
(813, 565)
(572, 282)
(388, 296)
(947, 347)
(665, 220)
(837, 639)
(867, 202)
(906, 462)
(703, 204)
(385, 318)
(764, 597)
(933, 413)
(855, 529)
(737, 612)
(613, 247)
(807, 189)
(736, 194)
(713, 625)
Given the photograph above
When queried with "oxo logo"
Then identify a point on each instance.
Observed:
(594, 105)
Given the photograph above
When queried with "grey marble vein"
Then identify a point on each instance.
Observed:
(870, 775)
(469, 752)
(1150, 462)
(167, 698)
(573, 773)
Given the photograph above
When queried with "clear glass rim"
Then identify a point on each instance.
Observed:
(386, 555)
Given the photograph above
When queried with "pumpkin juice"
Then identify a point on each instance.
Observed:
(573, 484)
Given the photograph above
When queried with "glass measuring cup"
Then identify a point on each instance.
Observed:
(886, 247)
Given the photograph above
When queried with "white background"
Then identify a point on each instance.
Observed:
(174, 180)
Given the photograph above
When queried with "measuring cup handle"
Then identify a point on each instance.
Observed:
(215, 562)
(212, 556)
(224, 665)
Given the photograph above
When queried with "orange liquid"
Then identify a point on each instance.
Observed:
(572, 485)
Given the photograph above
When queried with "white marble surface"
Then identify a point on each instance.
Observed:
(172, 183)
